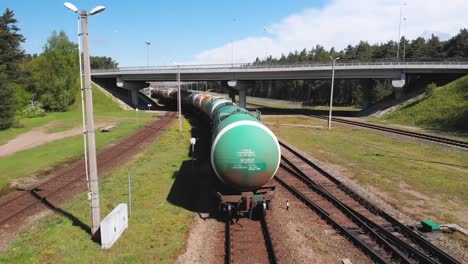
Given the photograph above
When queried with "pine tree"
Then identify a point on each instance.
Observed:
(457, 47)
(11, 56)
(435, 48)
(102, 62)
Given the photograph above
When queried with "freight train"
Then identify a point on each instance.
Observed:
(245, 154)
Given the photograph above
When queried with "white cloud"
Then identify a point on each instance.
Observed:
(343, 22)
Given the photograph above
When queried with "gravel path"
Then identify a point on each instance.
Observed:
(39, 136)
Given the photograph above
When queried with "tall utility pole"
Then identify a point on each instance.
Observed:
(147, 53)
(399, 31)
(179, 98)
(404, 40)
(266, 48)
(331, 92)
(232, 43)
(93, 176)
(83, 105)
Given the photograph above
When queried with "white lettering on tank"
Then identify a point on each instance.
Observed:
(247, 160)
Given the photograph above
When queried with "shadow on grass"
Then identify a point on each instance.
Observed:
(195, 183)
(75, 221)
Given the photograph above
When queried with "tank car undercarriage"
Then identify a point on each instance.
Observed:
(247, 203)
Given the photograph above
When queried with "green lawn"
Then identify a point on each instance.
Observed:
(455, 135)
(286, 106)
(446, 109)
(27, 162)
(423, 179)
(157, 230)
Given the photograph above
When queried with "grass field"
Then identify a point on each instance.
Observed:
(24, 163)
(455, 135)
(157, 230)
(297, 106)
(446, 109)
(422, 179)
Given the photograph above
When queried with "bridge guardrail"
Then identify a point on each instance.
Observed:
(236, 66)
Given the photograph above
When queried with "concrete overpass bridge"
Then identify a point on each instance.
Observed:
(135, 78)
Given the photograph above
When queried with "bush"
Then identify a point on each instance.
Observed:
(430, 89)
(17, 123)
(34, 109)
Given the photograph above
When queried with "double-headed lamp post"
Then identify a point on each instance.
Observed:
(331, 92)
(93, 177)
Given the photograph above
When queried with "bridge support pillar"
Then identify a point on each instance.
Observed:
(398, 86)
(134, 94)
(269, 88)
(366, 97)
(134, 87)
(232, 94)
(242, 87)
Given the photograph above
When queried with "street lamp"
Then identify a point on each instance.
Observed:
(93, 177)
(399, 31)
(331, 93)
(404, 42)
(232, 43)
(147, 52)
(266, 47)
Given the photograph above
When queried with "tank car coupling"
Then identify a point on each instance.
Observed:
(228, 210)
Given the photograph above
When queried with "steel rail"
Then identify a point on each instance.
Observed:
(68, 183)
(431, 249)
(405, 252)
(447, 141)
(266, 235)
(268, 240)
(228, 243)
(325, 215)
(373, 234)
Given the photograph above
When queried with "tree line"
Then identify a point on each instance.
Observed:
(356, 92)
(417, 49)
(31, 84)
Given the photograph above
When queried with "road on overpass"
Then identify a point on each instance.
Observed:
(220, 72)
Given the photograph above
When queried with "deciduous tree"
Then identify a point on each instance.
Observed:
(55, 79)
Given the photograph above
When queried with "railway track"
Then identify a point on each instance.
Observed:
(441, 140)
(377, 234)
(17, 206)
(248, 241)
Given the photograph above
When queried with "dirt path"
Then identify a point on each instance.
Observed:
(24, 206)
(38, 136)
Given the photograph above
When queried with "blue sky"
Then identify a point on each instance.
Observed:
(202, 31)
(177, 29)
